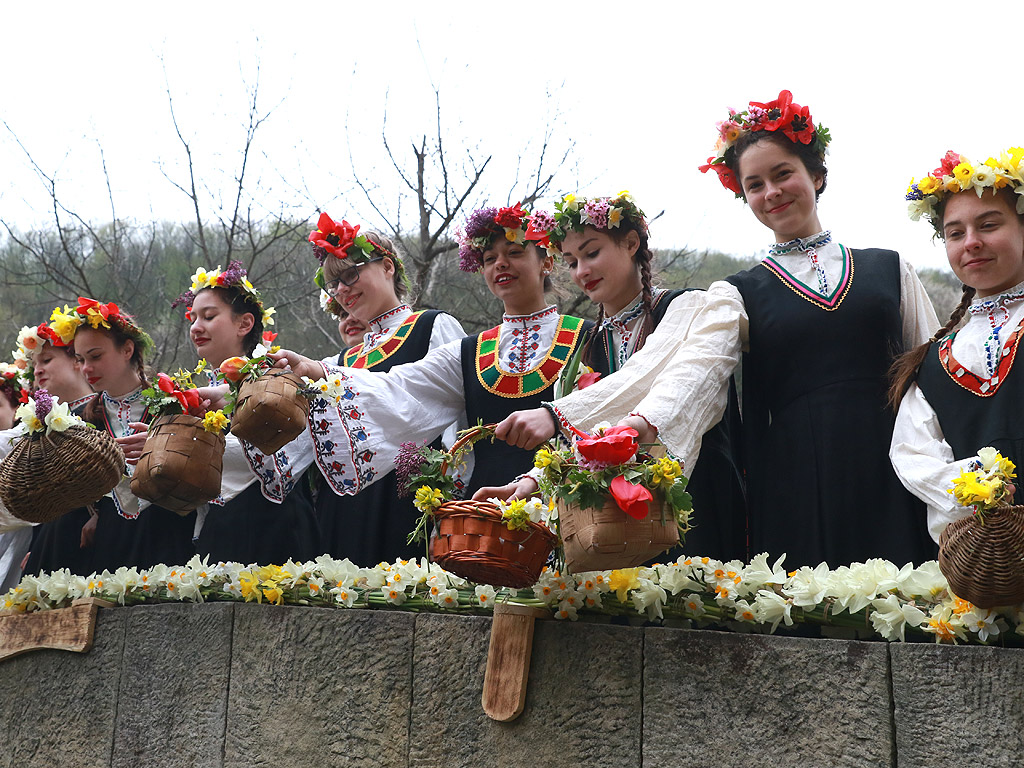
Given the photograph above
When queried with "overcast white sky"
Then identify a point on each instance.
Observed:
(639, 85)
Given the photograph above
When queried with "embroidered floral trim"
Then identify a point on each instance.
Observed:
(972, 382)
(356, 358)
(514, 385)
(830, 302)
(349, 420)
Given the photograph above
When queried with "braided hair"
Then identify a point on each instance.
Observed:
(905, 367)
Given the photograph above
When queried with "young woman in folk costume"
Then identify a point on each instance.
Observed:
(47, 361)
(364, 281)
(604, 243)
(265, 511)
(129, 531)
(478, 378)
(958, 392)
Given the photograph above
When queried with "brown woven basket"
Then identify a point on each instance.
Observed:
(473, 542)
(270, 411)
(984, 561)
(607, 538)
(46, 476)
(181, 465)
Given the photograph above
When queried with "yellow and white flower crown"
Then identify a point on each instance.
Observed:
(59, 332)
(956, 173)
(235, 276)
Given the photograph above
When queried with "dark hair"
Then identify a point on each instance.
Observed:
(811, 160)
(388, 250)
(642, 258)
(119, 338)
(240, 303)
(903, 371)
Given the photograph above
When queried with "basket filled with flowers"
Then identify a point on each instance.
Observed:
(982, 555)
(269, 406)
(182, 461)
(60, 463)
(617, 508)
(505, 544)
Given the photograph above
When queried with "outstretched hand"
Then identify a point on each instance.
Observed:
(523, 488)
(132, 444)
(526, 429)
(297, 364)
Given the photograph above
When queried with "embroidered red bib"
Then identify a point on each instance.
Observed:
(355, 358)
(497, 382)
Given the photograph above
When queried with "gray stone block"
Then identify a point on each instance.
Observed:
(174, 686)
(57, 708)
(958, 704)
(721, 699)
(319, 687)
(582, 703)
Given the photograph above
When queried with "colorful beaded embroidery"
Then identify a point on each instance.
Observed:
(497, 382)
(982, 387)
(356, 358)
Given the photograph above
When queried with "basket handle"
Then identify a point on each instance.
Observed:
(468, 437)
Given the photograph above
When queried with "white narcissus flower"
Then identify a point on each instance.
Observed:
(676, 578)
(770, 607)
(924, 581)
(918, 208)
(982, 622)
(344, 595)
(484, 595)
(394, 594)
(544, 589)
(60, 418)
(744, 612)
(259, 351)
(26, 411)
(449, 598)
(807, 586)
(693, 605)
(325, 299)
(890, 617)
(566, 610)
(649, 597)
(988, 456)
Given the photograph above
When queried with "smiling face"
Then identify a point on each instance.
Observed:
(984, 241)
(780, 190)
(515, 274)
(217, 332)
(59, 373)
(604, 268)
(371, 295)
(351, 330)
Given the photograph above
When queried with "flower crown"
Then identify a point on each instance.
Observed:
(485, 224)
(235, 276)
(778, 115)
(109, 316)
(958, 174)
(59, 332)
(573, 213)
(343, 241)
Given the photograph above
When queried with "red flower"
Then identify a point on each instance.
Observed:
(632, 499)
(190, 400)
(333, 237)
(268, 338)
(778, 112)
(801, 127)
(23, 397)
(725, 175)
(165, 383)
(106, 311)
(46, 332)
(949, 161)
(587, 379)
(510, 217)
(616, 446)
(541, 236)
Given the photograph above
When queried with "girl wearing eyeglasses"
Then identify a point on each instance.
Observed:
(368, 283)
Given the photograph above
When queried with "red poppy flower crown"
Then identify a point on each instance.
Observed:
(109, 316)
(343, 241)
(782, 114)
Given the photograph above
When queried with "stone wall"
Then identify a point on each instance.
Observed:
(250, 686)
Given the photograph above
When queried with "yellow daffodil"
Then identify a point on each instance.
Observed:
(928, 185)
(515, 515)
(268, 316)
(614, 217)
(542, 458)
(215, 421)
(65, 323)
(622, 580)
(963, 172)
(427, 499)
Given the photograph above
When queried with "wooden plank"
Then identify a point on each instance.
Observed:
(65, 629)
(508, 660)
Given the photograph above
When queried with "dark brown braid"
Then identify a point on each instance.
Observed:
(643, 259)
(905, 367)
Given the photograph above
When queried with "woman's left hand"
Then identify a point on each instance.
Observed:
(646, 433)
(214, 397)
(132, 444)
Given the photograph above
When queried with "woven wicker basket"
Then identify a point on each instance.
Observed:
(607, 538)
(473, 542)
(270, 411)
(46, 476)
(180, 467)
(984, 561)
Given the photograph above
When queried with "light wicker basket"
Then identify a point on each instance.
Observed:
(607, 538)
(270, 412)
(983, 560)
(181, 464)
(472, 541)
(47, 476)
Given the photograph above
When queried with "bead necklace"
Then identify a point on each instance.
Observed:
(807, 246)
(621, 323)
(993, 348)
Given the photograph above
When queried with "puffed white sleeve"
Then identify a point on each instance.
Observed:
(356, 441)
(683, 368)
(919, 319)
(924, 461)
(446, 328)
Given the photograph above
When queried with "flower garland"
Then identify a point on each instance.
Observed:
(958, 174)
(573, 213)
(877, 599)
(782, 114)
(483, 226)
(343, 241)
(235, 276)
(109, 316)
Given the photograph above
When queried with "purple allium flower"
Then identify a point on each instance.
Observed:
(408, 464)
(234, 274)
(481, 222)
(44, 403)
(186, 298)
